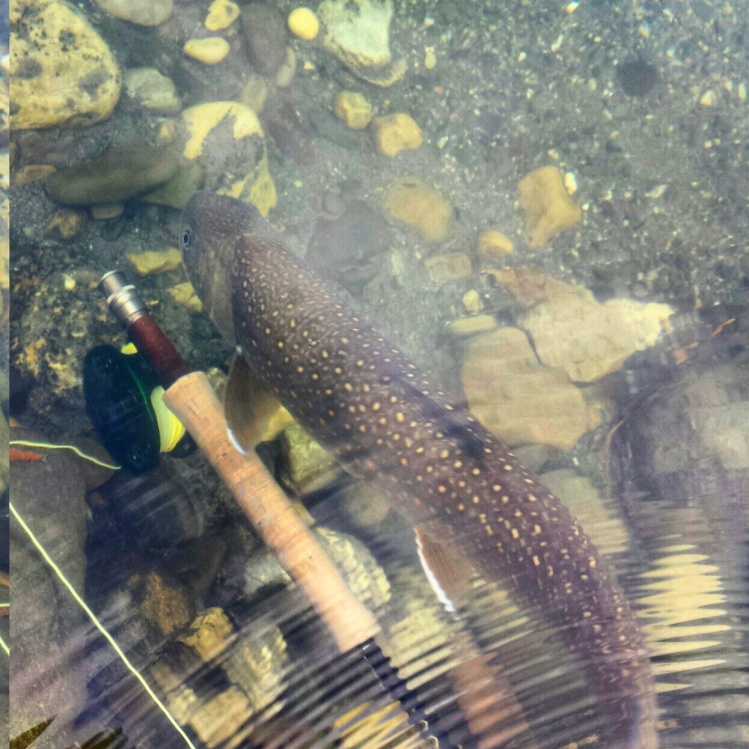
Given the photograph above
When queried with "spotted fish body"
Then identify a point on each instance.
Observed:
(385, 420)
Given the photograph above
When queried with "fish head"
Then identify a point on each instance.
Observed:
(211, 234)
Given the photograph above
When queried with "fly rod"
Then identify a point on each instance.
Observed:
(190, 396)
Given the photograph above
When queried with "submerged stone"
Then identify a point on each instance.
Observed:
(415, 202)
(637, 77)
(519, 400)
(548, 208)
(573, 331)
(141, 12)
(54, 84)
(265, 30)
(227, 140)
(357, 32)
(395, 133)
(122, 173)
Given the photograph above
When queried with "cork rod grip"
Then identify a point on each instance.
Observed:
(192, 400)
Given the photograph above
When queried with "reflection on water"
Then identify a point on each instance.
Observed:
(543, 204)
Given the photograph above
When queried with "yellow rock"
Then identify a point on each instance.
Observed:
(210, 634)
(493, 245)
(468, 326)
(415, 202)
(184, 294)
(303, 23)
(210, 51)
(548, 208)
(395, 133)
(67, 223)
(572, 331)
(255, 187)
(472, 302)
(153, 261)
(221, 15)
(54, 84)
(353, 109)
(519, 400)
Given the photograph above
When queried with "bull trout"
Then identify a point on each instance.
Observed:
(385, 420)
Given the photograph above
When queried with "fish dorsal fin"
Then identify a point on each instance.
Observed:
(253, 413)
(449, 574)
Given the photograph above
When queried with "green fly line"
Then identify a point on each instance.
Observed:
(110, 639)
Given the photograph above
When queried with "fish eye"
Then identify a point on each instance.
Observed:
(186, 236)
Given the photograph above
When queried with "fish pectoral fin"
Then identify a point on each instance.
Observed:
(449, 573)
(253, 414)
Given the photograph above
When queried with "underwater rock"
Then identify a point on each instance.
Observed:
(346, 249)
(285, 74)
(576, 333)
(55, 84)
(303, 23)
(254, 93)
(493, 245)
(152, 91)
(265, 30)
(518, 399)
(189, 177)
(357, 32)
(50, 670)
(307, 465)
(65, 224)
(637, 77)
(107, 211)
(184, 294)
(472, 302)
(210, 633)
(165, 607)
(353, 109)
(548, 208)
(141, 12)
(415, 202)
(122, 173)
(210, 50)
(395, 133)
(226, 138)
(155, 261)
(468, 326)
(221, 15)
(252, 664)
(448, 266)
(363, 575)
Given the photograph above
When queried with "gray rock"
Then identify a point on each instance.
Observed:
(122, 173)
(265, 29)
(50, 669)
(142, 12)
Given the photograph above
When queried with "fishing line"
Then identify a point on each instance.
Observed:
(77, 451)
(4, 646)
(110, 639)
